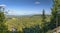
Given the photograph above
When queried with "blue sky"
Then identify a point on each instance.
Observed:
(27, 7)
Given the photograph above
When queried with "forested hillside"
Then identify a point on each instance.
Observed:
(25, 21)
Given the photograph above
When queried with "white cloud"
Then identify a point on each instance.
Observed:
(2, 5)
(37, 2)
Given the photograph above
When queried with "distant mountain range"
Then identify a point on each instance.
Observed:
(18, 16)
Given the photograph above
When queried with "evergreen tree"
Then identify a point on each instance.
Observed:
(59, 13)
(43, 22)
(55, 17)
(43, 16)
(3, 28)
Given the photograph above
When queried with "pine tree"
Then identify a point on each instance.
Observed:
(43, 16)
(59, 13)
(55, 19)
(3, 28)
(44, 22)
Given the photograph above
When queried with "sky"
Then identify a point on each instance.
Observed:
(27, 7)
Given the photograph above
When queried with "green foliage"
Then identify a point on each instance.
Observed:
(2, 17)
(55, 16)
(3, 28)
(43, 16)
(26, 22)
(33, 29)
